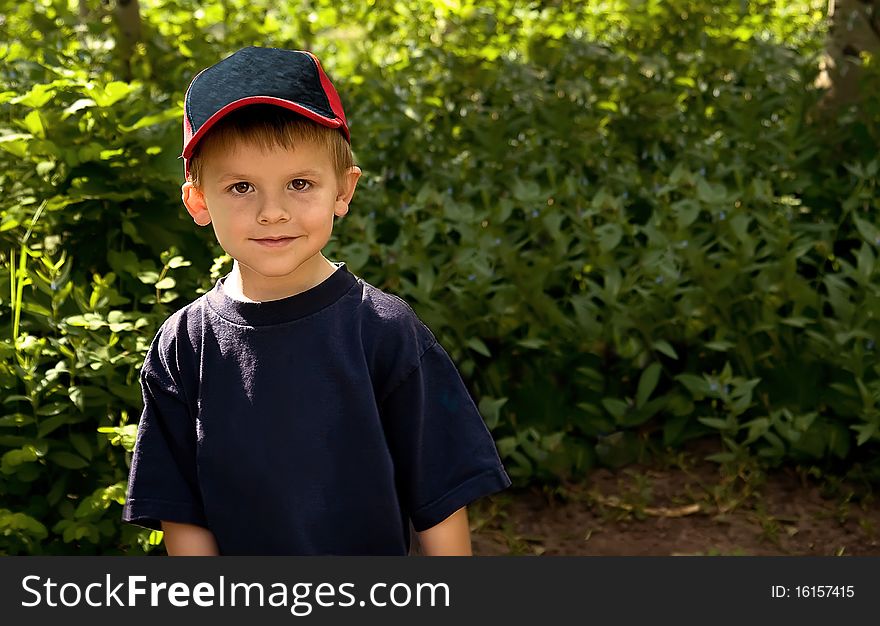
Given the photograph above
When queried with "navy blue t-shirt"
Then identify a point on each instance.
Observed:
(321, 423)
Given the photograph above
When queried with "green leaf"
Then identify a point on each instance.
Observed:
(124, 436)
(12, 459)
(757, 427)
(178, 261)
(33, 122)
(81, 444)
(609, 235)
(684, 81)
(38, 96)
(686, 212)
(506, 446)
(867, 230)
(740, 225)
(866, 432)
(664, 347)
(714, 422)
(111, 93)
(148, 277)
(16, 144)
(647, 383)
(490, 409)
(697, 385)
(476, 344)
(153, 119)
(76, 107)
(721, 457)
(615, 406)
(797, 322)
(11, 523)
(68, 460)
(51, 424)
(710, 193)
(131, 230)
(839, 440)
(720, 345)
(15, 420)
(53, 408)
(532, 343)
(642, 414)
(866, 263)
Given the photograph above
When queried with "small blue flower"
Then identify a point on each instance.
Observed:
(497, 240)
(722, 215)
(535, 212)
(658, 280)
(472, 277)
(713, 386)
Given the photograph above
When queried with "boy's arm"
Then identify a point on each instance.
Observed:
(189, 540)
(451, 537)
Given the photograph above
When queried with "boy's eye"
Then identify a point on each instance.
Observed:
(300, 184)
(241, 187)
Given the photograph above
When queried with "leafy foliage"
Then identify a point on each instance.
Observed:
(623, 220)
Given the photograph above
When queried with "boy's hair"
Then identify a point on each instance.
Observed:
(268, 126)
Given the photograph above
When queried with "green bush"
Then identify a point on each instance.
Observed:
(622, 223)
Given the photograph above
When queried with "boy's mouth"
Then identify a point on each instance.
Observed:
(274, 242)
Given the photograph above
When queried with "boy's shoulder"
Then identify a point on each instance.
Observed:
(181, 326)
(391, 318)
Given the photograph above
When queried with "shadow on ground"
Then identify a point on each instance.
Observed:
(688, 507)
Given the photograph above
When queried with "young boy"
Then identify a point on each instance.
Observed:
(295, 409)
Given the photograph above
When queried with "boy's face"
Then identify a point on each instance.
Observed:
(272, 210)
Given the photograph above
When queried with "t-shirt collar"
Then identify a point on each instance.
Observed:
(286, 309)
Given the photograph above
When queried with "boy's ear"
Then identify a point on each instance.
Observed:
(194, 201)
(346, 190)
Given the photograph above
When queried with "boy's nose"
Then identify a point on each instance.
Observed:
(271, 211)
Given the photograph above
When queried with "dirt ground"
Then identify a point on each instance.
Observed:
(687, 507)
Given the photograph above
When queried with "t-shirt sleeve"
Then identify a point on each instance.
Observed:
(444, 455)
(162, 483)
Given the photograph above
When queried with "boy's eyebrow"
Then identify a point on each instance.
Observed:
(294, 174)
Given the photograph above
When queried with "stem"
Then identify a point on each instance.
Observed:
(12, 288)
(19, 292)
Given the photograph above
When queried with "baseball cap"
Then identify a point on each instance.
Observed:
(292, 79)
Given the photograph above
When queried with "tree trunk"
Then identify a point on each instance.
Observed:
(854, 30)
(128, 23)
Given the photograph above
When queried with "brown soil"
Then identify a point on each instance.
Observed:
(687, 507)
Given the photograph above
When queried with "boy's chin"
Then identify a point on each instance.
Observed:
(269, 269)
